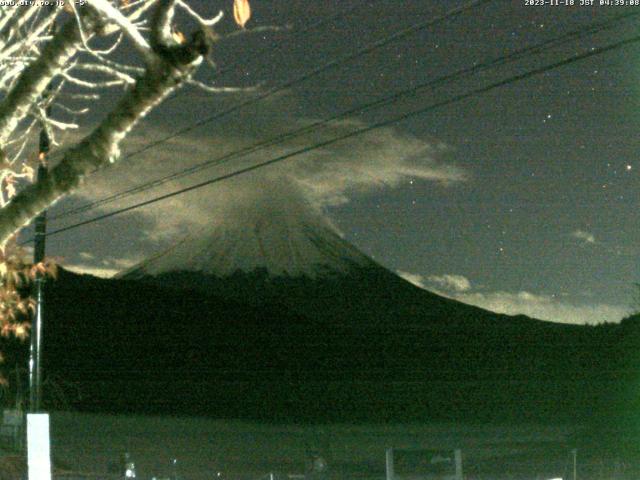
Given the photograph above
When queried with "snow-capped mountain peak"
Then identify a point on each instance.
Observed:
(282, 236)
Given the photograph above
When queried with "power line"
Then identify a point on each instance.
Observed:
(316, 71)
(514, 56)
(257, 53)
(384, 123)
(320, 23)
(279, 46)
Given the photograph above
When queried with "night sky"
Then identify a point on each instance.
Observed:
(523, 199)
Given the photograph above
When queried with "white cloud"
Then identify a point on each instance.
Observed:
(456, 283)
(383, 158)
(544, 307)
(92, 270)
(105, 268)
(324, 177)
(414, 278)
(586, 237)
(315, 180)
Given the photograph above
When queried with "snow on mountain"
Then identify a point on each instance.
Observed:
(281, 234)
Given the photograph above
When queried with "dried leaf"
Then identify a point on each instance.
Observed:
(36, 270)
(52, 269)
(241, 12)
(9, 186)
(41, 268)
(178, 36)
(22, 307)
(20, 331)
(28, 172)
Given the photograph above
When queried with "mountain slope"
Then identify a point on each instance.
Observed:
(286, 253)
(131, 346)
(283, 237)
(267, 312)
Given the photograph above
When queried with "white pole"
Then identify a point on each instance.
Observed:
(389, 458)
(38, 446)
(458, 457)
(575, 463)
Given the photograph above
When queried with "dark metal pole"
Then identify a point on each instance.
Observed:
(35, 352)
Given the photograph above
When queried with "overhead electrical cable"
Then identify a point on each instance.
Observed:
(296, 32)
(590, 29)
(456, 98)
(315, 72)
(280, 45)
(257, 53)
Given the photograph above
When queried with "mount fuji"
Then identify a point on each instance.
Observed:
(281, 249)
(267, 312)
(283, 238)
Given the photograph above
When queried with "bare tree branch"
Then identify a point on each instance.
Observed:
(125, 24)
(172, 65)
(33, 81)
(41, 67)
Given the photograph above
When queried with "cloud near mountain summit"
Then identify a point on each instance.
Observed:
(327, 176)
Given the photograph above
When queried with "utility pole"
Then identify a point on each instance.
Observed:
(37, 431)
(35, 352)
